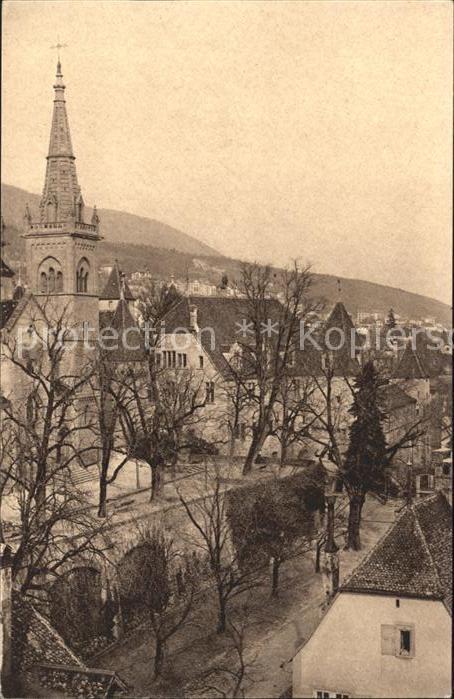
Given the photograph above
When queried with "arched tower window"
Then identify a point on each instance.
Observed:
(43, 283)
(59, 282)
(51, 280)
(50, 276)
(82, 273)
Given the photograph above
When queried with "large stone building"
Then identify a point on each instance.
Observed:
(61, 247)
(62, 265)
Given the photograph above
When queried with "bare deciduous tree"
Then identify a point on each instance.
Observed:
(208, 517)
(146, 580)
(226, 678)
(46, 440)
(274, 305)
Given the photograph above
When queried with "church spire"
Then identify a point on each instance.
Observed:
(61, 201)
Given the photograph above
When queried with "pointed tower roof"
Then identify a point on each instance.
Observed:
(344, 339)
(339, 318)
(410, 366)
(131, 342)
(61, 188)
(116, 286)
(62, 206)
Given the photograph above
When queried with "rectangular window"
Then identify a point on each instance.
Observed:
(182, 360)
(209, 388)
(326, 694)
(170, 359)
(200, 362)
(158, 359)
(405, 642)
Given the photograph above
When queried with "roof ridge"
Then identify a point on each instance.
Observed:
(427, 548)
(19, 307)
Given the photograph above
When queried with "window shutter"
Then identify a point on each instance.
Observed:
(388, 639)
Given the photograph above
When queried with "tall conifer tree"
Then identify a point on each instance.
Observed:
(366, 457)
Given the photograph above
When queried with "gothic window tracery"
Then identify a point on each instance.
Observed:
(51, 280)
(43, 283)
(82, 276)
(59, 282)
(50, 276)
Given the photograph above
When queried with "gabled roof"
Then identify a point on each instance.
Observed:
(112, 289)
(413, 558)
(395, 397)
(14, 310)
(228, 316)
(224, 316)
(410, 366)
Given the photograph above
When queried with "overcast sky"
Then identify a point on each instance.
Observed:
(269, 130)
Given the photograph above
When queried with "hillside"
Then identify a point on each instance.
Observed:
(118, 226)
(161, 260)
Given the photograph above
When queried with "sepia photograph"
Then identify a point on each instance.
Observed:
(226, 349)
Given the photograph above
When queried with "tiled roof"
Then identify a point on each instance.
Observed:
(395, 397)
(221, 313)
(112, 289)
(410, 366)
(129, 333)
(414, 558)
(225, 315)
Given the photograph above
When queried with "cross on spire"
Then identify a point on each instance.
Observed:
(59, 46)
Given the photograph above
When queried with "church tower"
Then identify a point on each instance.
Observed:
(60, 246)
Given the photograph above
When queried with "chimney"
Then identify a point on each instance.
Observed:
(193, 325)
